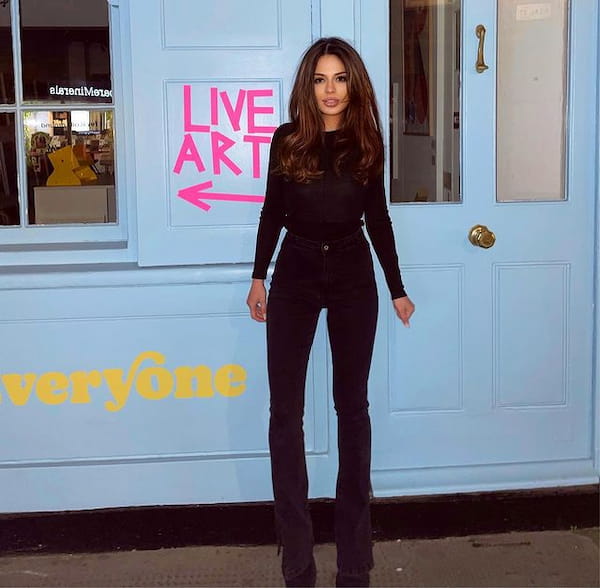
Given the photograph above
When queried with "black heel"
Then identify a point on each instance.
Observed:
(306, 578)
(360, 580)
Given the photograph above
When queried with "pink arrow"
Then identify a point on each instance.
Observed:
(196, 195)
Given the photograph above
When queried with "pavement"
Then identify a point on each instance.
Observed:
(547, 558)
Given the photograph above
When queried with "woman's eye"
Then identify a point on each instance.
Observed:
(342, 79)
(318, 80)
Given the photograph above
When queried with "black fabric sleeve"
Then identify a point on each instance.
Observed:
(379, 228)
(272, 214)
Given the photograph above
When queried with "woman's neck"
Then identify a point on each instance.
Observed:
(332, 123)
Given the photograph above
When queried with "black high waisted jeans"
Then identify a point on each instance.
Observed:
(336, 275)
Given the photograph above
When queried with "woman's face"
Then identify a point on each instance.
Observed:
(331, 90)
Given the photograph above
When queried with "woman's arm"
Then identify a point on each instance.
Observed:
(271, 216)
(379, 227)
(269, 228)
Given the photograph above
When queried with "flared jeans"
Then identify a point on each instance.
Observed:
(309, 276)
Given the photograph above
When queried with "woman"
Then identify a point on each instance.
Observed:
(325, 174)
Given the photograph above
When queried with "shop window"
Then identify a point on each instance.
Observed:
(9, 203)
(57, 114)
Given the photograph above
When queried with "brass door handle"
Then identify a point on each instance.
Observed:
(480, 66)
(481, 236)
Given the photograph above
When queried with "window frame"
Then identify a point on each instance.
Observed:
(62, 238)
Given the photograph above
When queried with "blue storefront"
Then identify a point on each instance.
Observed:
(134, 137)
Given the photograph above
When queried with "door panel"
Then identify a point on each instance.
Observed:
(496, 367)
(520, 352)
(439, 389)
(214, 87)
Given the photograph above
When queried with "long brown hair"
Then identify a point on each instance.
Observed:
(360, 130)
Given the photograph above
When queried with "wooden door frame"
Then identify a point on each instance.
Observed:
(596, 375)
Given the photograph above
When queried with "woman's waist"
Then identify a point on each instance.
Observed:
(344, 243)
(323, 232)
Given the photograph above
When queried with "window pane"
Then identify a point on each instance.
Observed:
(70, 166)
(425, 106)
(532, 75)
(9, 200)
(65, 51)
(7, 77)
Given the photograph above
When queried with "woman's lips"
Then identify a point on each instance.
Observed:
(331, 102)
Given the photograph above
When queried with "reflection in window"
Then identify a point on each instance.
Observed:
(64, 148)
(65, 51)
(532, 100)
(7, 79)
(425, 106)
(9, 199)
(70, 166)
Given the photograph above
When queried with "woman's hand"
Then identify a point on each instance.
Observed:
(257, 301)
(404, 309)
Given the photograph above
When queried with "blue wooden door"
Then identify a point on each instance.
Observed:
(491, 387)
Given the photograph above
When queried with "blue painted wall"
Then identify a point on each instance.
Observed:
(131, 375)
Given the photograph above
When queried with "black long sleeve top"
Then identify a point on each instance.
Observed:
(329, 208)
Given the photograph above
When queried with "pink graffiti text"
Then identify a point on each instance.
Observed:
(220, 143)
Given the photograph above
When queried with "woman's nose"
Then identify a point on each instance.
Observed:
(329, 87)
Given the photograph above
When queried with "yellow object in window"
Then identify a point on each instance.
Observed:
(68, 170)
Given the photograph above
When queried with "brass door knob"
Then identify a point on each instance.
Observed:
(481, 236)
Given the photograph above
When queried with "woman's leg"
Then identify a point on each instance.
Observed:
(351, 321)
(291, 325)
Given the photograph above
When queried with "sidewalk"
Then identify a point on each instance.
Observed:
(549, 558)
